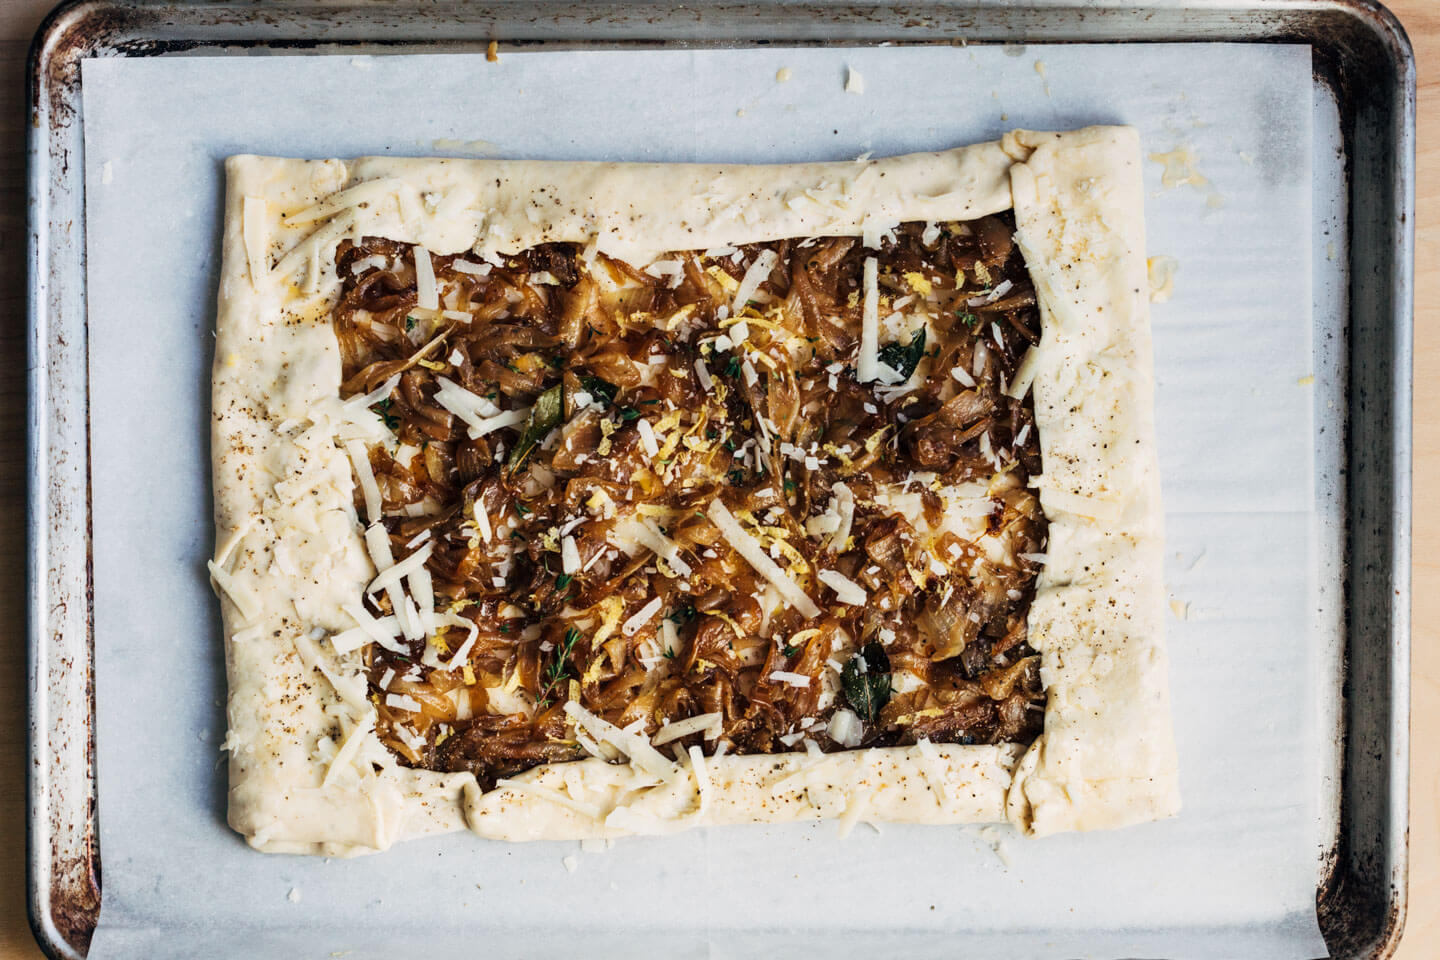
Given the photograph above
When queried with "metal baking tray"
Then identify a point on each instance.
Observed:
(1360, 55)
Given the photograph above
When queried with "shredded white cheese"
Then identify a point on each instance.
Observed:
(755, 275)
(482, 521)
(473, 632)
(702, 776)
(647, 438)
(401, 701)
(254, 228)
(569, 556)
(643, 616)
(636, 747)
(845, 728)
(845, 507)
(963, 375)
(749, 548)
(710, 723)
(867, 366)
(703, 373)
(792, 679)
(349, 748)
(243, 599)
(382, 630)
(360, 460)
(391, 575)
(846, 590)
(631, 531)
(1024, 375)
(427, 297)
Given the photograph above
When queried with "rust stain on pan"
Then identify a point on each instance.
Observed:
(72, 32)
(66, 907)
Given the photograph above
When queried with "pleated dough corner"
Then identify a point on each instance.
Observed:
(307, 772)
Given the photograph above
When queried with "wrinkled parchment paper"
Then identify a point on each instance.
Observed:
(1252, 659)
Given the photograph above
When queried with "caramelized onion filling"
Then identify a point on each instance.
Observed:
(565, 424)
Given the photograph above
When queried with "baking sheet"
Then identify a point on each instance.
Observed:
(1234, 876)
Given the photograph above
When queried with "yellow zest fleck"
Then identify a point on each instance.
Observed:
(431, 364)
(729, 620)
(910, 718)
(727, 283)
(611, 609)
(918, 283)
(838, 453)
(673, 321)
(592, 670)
(804, 635)
(468, 672)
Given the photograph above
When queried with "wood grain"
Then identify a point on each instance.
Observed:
(18, 21)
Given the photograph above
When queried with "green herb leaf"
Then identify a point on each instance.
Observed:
(382, 410)
(558, 671)
(563, 581)
(865, 681)
(521, 509)
(544, 416)
(669, 654)
(790, 649)
(904, 359)
(683, 615)
(410, 323)
(629, 413)
(732, 368)
(790, 487)
(601, 390)
(735, 477)
(968, 318)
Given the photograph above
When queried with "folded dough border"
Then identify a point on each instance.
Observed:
(308, 774)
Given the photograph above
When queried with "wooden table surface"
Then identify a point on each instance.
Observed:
(18, 21)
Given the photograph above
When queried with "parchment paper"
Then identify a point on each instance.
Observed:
(1234, 876)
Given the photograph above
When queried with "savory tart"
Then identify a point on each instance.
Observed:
(566, 500)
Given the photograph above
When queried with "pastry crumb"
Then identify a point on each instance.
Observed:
(571, 864)
(1180, 608)
(854, 82)
(492, 52)
(994, 837)
(783, 75)
(1179, 167)
(294, 895)
(1306, 380)
(1161, 270)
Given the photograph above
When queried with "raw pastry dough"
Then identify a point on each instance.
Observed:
(307, 773)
